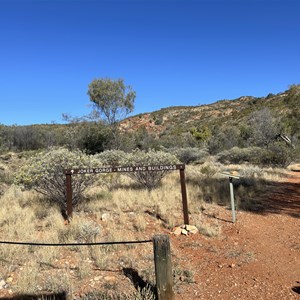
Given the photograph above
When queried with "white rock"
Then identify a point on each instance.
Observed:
(2, 284)
(105, 217)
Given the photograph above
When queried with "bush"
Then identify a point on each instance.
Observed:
(240, 155)
(111, 158)
(45, 174)
(189, 154)
(149, 179)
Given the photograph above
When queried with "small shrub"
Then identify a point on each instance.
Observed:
(239, 155)
(149, 179)
(210, 230)
(79, 231)
(189, 154)
(209, 169)
(28, 281)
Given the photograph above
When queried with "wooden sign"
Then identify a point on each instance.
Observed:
(102, 170)
(125, 169)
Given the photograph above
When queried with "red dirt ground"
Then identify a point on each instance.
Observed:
(258, 257)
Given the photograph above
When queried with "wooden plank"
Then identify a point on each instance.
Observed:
(125, 169)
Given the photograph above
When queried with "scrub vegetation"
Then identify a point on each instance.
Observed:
(256, 138)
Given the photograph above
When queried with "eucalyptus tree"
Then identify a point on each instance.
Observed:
(112, 101)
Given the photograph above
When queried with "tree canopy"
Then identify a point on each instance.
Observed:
(112, 99)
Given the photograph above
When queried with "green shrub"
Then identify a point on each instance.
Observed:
(209, 169)
(45, 174)
(278, 154)
(111, 158)
(239, 155)
(189, 154)
(149, 179)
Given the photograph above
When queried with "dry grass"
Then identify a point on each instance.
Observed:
(134, 214)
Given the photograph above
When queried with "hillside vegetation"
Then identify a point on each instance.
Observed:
(243, 122)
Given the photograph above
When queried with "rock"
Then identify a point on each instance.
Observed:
(9, 279)
(184, 232)
(294, 167)
(191, 229)
(131, 214)
(110, 279)
(2, 284)
(105, 217)
(177, 231)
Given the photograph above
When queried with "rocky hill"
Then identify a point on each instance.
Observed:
(222, 113)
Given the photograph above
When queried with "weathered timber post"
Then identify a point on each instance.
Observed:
(184, 197)
(69, 195)
(163, 267)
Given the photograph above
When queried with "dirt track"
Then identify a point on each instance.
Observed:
(256, 258)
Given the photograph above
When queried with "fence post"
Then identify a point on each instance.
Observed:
(163, 267)
(184, 197)
(69, 195)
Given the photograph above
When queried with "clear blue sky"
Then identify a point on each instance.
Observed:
(172, 52)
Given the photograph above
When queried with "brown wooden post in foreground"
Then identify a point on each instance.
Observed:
(69, 195)
(184, 198)
(163, 267)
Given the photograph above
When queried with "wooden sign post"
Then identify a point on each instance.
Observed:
(69, 196)
(126, 169)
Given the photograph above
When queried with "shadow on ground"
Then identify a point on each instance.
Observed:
(59, 296)
(282, 198)
(138, 282)
(296, 289)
